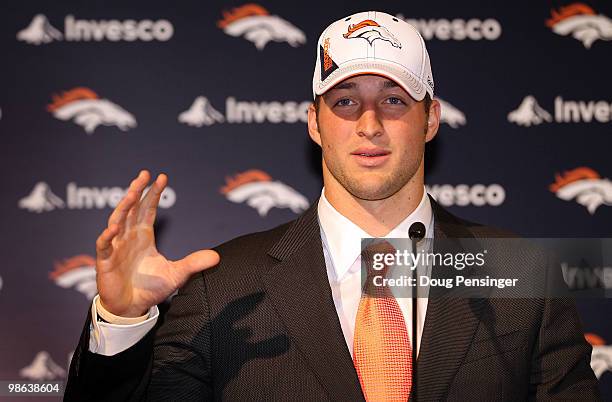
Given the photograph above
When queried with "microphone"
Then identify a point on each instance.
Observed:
(415, 233)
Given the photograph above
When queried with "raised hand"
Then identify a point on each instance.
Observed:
(132, 276)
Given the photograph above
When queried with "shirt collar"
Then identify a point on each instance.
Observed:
(343, 237)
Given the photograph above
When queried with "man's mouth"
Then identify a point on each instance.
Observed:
(370, 152)
(371, 157)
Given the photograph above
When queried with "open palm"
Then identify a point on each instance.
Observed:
(132, 276)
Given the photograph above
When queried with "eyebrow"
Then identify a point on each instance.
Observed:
(351, 85)
(390, 84)
(345, 85)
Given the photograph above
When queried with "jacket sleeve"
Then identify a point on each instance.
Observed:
(95, 377)
(560, 367)
(171, 362)
(182, 348)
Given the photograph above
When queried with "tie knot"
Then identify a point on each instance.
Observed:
(374, 255)
(374, 259)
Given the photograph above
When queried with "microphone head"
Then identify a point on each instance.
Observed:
(416, 231)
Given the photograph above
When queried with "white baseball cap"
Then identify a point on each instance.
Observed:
(373, 42)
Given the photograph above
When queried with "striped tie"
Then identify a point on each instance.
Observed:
(382, 352)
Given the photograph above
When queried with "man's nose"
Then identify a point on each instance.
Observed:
(369, 124)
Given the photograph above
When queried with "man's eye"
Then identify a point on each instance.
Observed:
(344, 102)
(394, 101)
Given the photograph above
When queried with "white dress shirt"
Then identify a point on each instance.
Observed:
(342, 250)
(341, 240)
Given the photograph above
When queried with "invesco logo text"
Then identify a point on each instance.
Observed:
(41, 31)
(42, 199)
(203, 113)
(115, 30)
(463, 195)
(456, 29)
(260, 112)
(81, 197)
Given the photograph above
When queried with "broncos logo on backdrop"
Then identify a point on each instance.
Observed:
(257, 25)
(370, 30)
(39, 31)
(42, 368)
(257, 189)
(601, 357)
(529, 112)
(77, 272)
(580, 20)
(40, 199)
(86, 108)
(451, 115)
(585, 185)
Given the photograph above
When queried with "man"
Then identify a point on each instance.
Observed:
(279, 315)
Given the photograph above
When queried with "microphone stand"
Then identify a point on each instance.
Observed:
(415, 233)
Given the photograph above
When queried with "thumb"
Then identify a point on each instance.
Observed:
(198, 261)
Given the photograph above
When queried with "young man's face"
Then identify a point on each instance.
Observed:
(372, 135)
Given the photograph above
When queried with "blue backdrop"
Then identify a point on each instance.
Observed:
(215, 95)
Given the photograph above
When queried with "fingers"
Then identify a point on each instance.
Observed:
(148, 205)
(137, 187)
(104, 245)
(121, 211)
(195, 262)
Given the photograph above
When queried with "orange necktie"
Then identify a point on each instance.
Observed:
(382, 353)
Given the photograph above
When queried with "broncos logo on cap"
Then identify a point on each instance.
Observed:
(257, 189)
(89, 111)
(580, 20)
(601, 357)
(585, 185)
(78, 272)
(370, 30)
(256, 24)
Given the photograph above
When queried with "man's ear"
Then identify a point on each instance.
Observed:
(313, 125)
(433, 122)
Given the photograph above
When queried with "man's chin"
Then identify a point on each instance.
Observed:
(372, 190)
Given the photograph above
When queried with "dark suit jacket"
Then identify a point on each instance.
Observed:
(262, 326)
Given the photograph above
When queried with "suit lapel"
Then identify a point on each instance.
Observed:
(299, 289)
(450, 323)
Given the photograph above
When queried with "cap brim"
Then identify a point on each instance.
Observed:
(403, 78)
